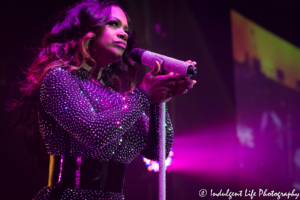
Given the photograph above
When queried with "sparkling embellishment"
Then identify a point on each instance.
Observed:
(78, 173)
(78, 194)
(60, 170)
(102, 125)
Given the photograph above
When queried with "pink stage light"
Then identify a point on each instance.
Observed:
(206, 153)
(154, 165)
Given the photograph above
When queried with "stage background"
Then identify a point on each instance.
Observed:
(237, 129)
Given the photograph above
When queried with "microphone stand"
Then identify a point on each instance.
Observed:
(162, 151)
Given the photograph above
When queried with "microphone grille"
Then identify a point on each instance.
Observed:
(136, 55)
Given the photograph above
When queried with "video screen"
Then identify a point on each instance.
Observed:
(267, 82)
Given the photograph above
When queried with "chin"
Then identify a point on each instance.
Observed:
(118, 55)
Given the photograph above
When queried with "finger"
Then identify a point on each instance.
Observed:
(180, 83)
(177, 83)
(155, 69)
(168, 78)
(179, 89)
(175, 94)
(174, 73)
(191, 62)
(180, 93)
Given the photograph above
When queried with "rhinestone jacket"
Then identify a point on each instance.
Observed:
(99, 123)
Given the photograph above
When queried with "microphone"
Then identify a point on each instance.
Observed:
(167, 63)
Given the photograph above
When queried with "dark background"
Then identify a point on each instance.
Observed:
(190, 29)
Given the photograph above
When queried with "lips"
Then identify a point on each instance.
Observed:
(120, 44)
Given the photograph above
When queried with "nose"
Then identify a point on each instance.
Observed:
(123, 35)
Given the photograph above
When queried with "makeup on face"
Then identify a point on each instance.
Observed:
(112, 42)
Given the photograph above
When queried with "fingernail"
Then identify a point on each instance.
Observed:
(190, 86)
(191, 82)
(185, 91)
(194, 82)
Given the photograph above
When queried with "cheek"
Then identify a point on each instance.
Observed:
(105, 40)
(107, 36)
(102, 43)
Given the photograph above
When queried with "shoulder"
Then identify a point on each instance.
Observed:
(57, 74)
(61, 77)
(58, 79)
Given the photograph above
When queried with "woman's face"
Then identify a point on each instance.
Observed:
(112, 40)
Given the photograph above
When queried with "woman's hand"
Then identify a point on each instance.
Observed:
(193, 81)
(162, 88)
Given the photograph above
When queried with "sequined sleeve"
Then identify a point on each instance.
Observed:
(151, 149)
(62, 99)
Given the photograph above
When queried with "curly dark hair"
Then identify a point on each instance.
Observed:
(67, 46)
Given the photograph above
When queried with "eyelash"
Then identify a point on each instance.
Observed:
(113, 23)
(117, 24)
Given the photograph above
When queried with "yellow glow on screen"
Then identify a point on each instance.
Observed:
(273, 52)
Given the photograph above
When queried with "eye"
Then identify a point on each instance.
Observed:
(113, 23)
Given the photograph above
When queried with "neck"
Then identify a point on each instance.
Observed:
(98, 71)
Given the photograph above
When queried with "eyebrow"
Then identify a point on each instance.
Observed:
(126, 27)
